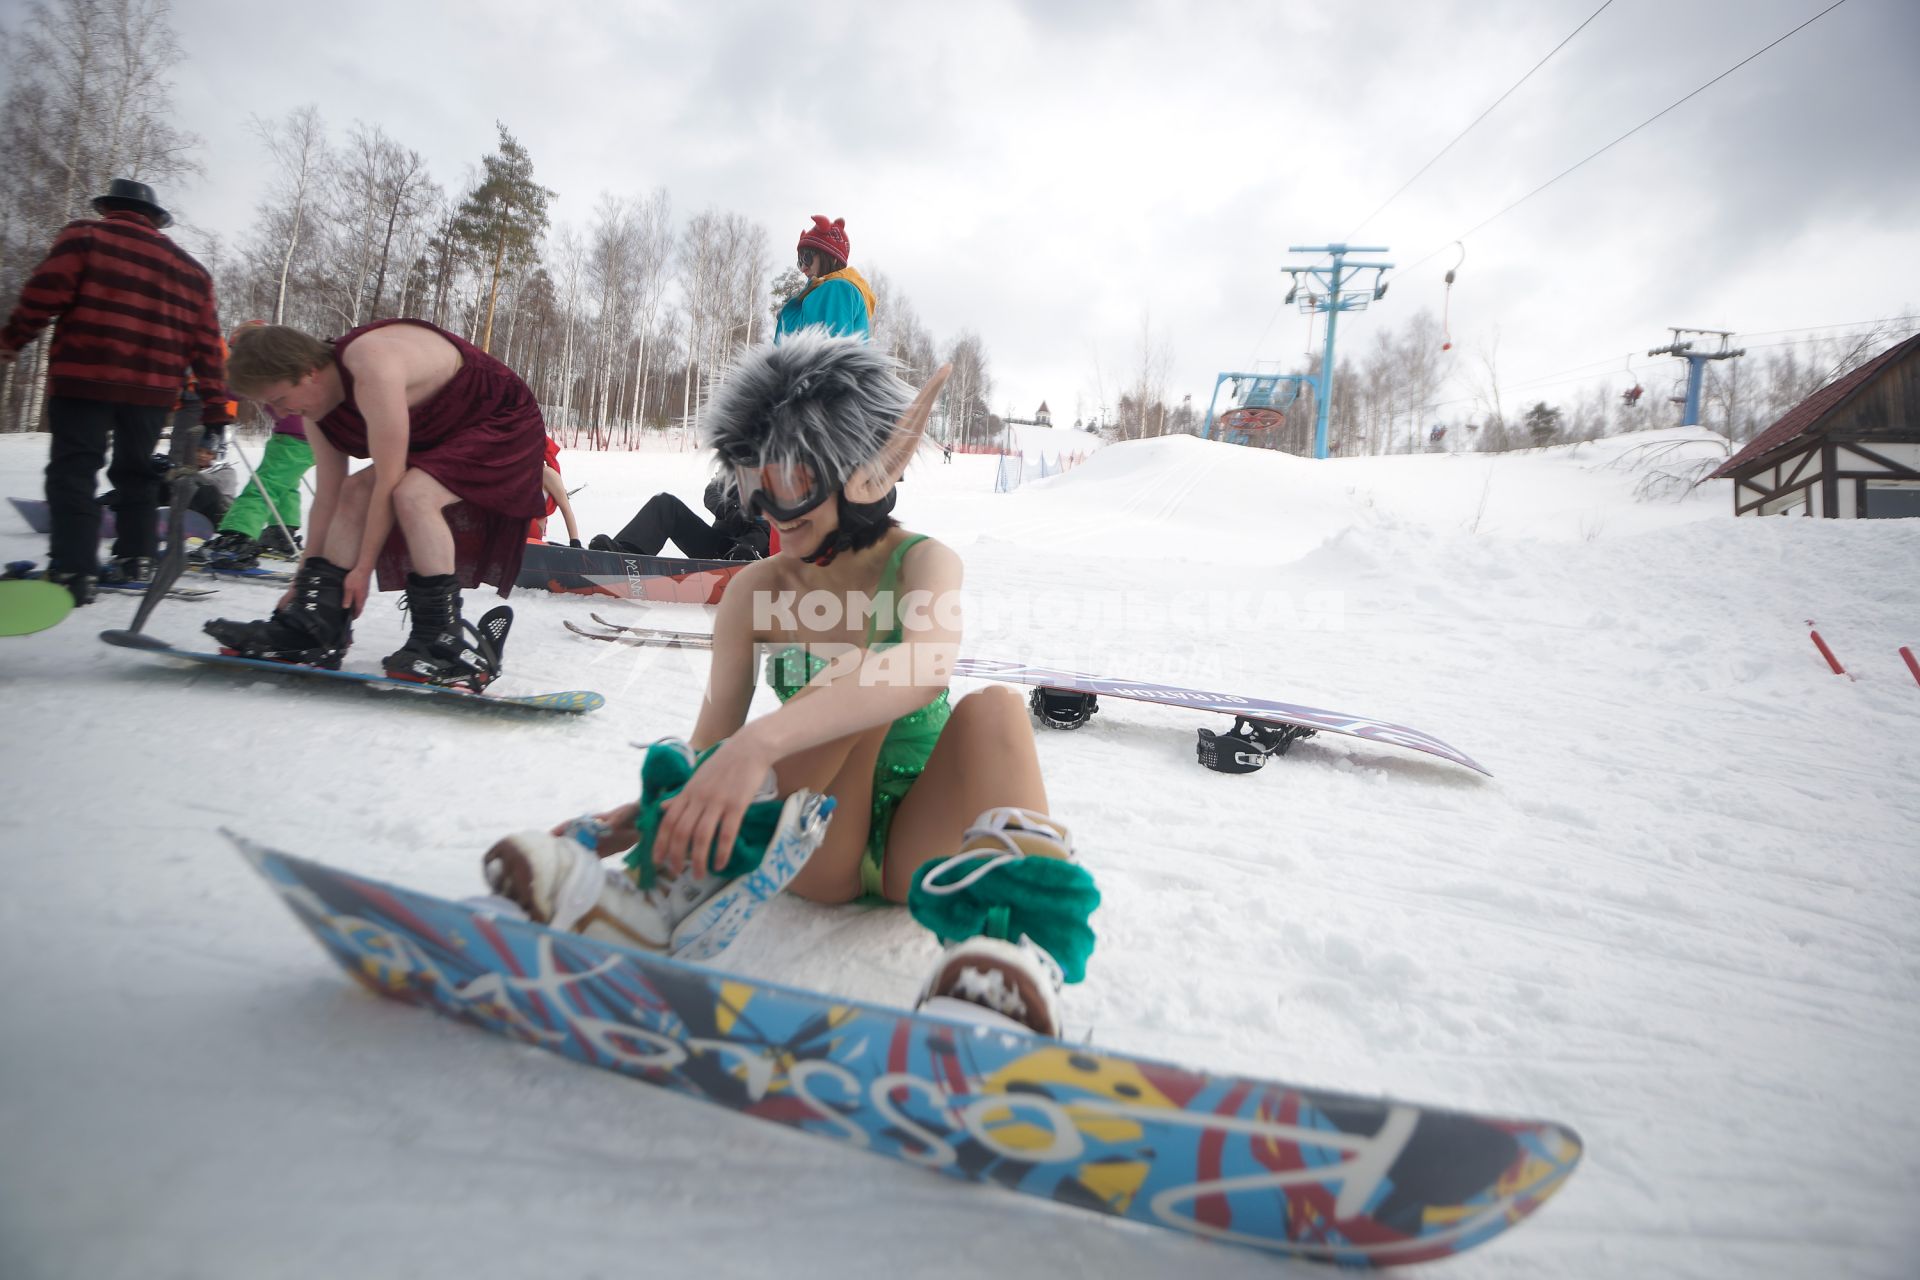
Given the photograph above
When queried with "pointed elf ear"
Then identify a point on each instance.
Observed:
(871, 482)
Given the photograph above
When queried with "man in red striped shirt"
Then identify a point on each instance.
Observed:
(132, 312)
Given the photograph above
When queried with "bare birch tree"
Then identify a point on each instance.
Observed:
(86, 99)
(297, 147)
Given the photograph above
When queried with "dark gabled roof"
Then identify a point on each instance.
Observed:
(1815, 408)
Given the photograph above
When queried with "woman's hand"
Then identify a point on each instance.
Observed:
(706, 815)
(355, 590)
(619, 837)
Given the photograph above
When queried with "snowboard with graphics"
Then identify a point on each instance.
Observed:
(1336, 1178)
(1260, 710)
(666, 579)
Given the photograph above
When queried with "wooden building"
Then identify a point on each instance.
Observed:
(1849, 450)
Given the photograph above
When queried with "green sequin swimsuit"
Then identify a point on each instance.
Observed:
(909, 741)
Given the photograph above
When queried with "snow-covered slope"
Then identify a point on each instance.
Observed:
(1681, 916)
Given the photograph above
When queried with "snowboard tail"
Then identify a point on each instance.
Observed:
(1355, 1181)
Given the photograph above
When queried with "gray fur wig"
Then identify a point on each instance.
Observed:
(825, 402)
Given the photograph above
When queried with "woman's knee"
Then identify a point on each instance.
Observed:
(995, 709)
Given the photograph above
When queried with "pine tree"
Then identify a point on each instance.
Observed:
(503, 218)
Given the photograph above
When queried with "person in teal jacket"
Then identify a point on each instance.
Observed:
(835, 298)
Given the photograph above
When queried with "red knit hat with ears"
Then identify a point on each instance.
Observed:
(829, 238)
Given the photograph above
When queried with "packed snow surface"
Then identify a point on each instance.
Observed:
(1681, 917)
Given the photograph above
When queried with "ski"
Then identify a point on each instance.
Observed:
(245, 575)
(1282, 1169)
(25, 571)
(572, 701)
(140, 589)
(642, 637)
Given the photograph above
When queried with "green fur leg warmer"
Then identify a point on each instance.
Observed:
(663, 775)
(1003, 896)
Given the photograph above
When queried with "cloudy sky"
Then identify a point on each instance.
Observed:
(1058, 176)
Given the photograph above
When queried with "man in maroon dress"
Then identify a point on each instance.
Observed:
(457, 444)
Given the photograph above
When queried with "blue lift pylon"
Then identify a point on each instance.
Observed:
(1696, 365)
(1335, 294)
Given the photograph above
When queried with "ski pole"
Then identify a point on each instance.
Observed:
(254, 476)
(1912, 665)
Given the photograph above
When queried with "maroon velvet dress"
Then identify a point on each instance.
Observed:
(482, 437)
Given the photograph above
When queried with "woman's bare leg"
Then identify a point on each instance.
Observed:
(842, 769)
(985, 758)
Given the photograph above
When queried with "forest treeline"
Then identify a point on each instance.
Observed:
(618, 324)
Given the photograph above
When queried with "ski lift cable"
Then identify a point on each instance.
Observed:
(1623, 137)
(1816, 328)
(1476, 121)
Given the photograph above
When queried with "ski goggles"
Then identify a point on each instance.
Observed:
(781, 491)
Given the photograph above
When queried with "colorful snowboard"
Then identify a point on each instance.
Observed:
(1330, 1177)
(1228, 704)
(573, 700)
(40, 520)
(668, 579)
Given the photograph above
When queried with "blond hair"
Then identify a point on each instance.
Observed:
(262, 354)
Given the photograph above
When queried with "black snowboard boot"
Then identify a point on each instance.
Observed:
(127, 571)
(280, 542)
(80, 585)
(442, 648)
(312, 629)
(229, 550)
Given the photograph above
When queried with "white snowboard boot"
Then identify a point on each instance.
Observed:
(559, 881)
(1013, 985)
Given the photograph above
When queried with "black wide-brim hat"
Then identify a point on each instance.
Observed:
(125, 193)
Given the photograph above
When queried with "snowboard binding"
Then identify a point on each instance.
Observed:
(1062, 708)
(313, 629)
(467, 658)
(1247, 746)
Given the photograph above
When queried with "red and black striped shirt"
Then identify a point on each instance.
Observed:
(132, 312)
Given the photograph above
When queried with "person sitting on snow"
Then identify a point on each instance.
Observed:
(940, 807)
(732, 535)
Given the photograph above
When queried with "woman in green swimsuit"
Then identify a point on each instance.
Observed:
(938, 806)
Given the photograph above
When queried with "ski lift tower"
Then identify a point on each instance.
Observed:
(1696, 364)
(1335, 293)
